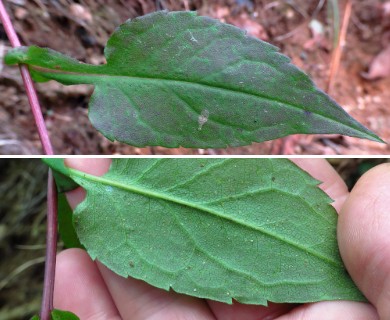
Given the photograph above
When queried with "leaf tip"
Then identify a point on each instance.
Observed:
(369, 135)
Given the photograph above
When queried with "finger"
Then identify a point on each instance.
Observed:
(136, 300)
(363, 234)
(332, 310)
(97, 167)
(335, 187)
(331, 182)
(79, 287)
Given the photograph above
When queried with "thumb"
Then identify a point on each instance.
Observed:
(364, 237)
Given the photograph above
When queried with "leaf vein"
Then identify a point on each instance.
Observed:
(204, 210)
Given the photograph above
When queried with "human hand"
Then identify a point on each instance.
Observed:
(92, 291)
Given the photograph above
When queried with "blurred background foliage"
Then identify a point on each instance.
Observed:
(22, 236)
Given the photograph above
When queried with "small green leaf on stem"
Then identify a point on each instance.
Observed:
(65, 224)
(63, 315)
(60, 315)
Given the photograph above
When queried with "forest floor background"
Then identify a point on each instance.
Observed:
(302, 29)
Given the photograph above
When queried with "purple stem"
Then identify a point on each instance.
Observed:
(51, 237)
(28, 84)
(51, 248)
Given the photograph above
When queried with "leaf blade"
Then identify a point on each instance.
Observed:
(63, 315)
(66, 228)
(59, 315)
(61, 175)
(199, 226)
(177, 79)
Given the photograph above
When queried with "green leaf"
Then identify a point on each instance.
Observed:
(60, 315)
(65, 213)
(178, 79)
(63, 315)
(254, 230)
(60, 172)
(65, 224)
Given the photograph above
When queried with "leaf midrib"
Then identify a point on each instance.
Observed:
(145, 78)
(158, 195)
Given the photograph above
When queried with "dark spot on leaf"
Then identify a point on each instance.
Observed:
(307, 113)
(273, 178)
(131, 264)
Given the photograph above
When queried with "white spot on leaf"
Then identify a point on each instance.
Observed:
(202, 119)
(193, 38)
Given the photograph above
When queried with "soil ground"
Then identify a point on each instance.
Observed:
(22, 230)
(301, 28)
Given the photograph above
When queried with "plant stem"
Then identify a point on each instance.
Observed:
(51, 232)
(28, 84)
(51, 248)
